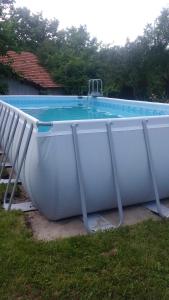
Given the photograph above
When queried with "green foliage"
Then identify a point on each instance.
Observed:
(70, 58)
(6, 35)
(31, 29)
(3, 88)
(5, 6)
(128, 263)
(139, 70)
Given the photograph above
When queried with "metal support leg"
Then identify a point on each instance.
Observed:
(94, 222)
(1, 109)
(14, 163)
(11, 137)
(15, 160)
(80, 176)
(115, 174)
(6, 143)
(21, 164)
(4, 125)
(151, 168)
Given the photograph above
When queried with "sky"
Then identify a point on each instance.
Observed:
(110, 21)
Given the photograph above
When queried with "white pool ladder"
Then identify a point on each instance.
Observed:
(8, 130)
(95, 87)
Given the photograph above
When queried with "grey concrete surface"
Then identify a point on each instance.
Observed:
(49, 230)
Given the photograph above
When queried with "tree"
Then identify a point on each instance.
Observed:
(5, 6)
(30, 30)
(70, 57)
(139, 70)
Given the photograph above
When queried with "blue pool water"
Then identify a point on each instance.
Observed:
(95, 111)
(71, 113)
(46, 108)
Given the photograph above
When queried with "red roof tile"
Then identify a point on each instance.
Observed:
(27, 65)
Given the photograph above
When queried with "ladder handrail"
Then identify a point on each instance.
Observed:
(7, 135)
(23, 156)
(15, 160)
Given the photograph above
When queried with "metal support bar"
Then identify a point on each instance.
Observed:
(2, 124)
(93, 222)
(8, 130)
(80, 176)
(92, 85)
(21, 164)
(6, 143)
(101, 83)
(6, 165)
(23, 206)
(5, 123)
(115, 174)
(1, 109)
(153, 208)
(11, 137)
(15, 160)
(89, 87)
(151, 167)
(44, 123)
(5, 181)
(3, 116)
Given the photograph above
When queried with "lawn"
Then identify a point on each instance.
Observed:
(129, 263)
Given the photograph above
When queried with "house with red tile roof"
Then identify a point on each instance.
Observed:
(32, 78)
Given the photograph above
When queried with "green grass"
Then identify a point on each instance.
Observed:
(129, 263)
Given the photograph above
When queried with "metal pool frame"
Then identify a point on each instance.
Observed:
(10, 118)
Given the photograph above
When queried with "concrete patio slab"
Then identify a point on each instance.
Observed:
(49, 230)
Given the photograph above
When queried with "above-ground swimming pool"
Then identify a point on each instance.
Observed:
(86, 153)
(48, 108)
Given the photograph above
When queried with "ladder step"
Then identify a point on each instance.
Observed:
(153, 207)
(5, 181)
(7, 165)
(23, 206)
(98, 222)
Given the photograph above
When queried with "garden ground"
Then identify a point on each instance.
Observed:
(129, 263)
